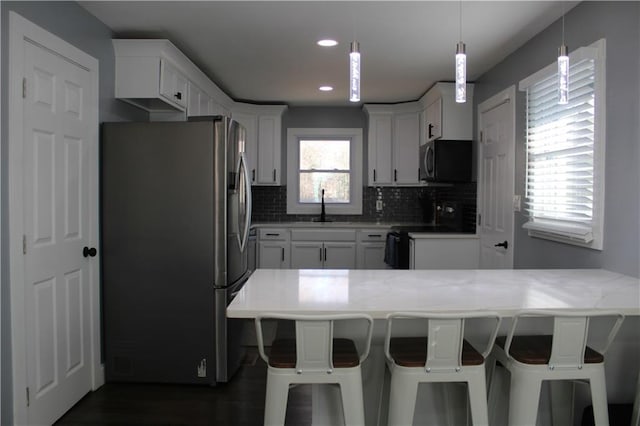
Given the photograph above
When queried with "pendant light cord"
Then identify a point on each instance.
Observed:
(563, 13)
(460, 14)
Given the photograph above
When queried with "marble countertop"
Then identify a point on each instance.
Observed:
(379, 292)
(448, 235)
(309, 224)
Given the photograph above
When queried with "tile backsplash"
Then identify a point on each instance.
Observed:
(399, 204)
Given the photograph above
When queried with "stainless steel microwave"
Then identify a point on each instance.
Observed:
(445, 161)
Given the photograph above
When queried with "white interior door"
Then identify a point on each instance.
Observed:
(496, 154)
(53, 180)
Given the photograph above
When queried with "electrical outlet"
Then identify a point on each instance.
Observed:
(378, 205)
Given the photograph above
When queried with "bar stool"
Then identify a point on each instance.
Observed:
(562, 355)
(313, 357)
(443, 355)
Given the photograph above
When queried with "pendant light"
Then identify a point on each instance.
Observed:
(563, 69)
(461, 67)
(354, 72)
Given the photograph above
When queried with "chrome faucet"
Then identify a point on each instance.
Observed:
(323, 214)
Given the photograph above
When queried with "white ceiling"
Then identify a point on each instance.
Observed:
(265, 51)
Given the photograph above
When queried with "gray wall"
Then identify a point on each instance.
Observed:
(72, 23)
(619, 24)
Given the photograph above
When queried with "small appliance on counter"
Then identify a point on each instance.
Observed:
(446, 161)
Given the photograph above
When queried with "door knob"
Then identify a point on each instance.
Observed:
(504, 244)
(89, 252)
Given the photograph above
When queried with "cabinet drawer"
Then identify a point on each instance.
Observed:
(372, 235)
(279, 234)
(323, 235)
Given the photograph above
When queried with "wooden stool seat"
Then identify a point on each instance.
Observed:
(412, 352)
(536, 350)
(283, 353)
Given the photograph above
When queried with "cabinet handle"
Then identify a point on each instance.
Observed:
(430, 127)
(253, 175)
(320, 254)
(283, 254)
(272, 235)
(374, 235)
(395, 175)
(178, 95)
(374, 175)
(274, 175)
(325, 254)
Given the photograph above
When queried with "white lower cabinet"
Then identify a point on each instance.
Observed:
(273, 248)
(273, 255)
(307, 255)
(323, 255)
(323, 248)
(445, 252)
(371, 244)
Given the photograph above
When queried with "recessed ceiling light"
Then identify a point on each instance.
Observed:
(327, 43)
(325, 88)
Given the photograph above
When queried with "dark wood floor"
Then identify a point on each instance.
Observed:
(239, 402)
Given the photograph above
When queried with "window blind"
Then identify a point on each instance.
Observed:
(560, 155)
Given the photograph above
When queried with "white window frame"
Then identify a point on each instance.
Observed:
(591, 237)
(294, 135)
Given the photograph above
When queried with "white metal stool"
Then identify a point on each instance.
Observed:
(443, 355)
(562, 355)
(313, 357)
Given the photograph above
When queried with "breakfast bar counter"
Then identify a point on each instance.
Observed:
(380, 292)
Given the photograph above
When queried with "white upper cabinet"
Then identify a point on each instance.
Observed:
(380, 147)
(406, 142)
(173, 84)
(154, 75)
(200, 103)
(263, 125)
(444, 118)
(393, 144)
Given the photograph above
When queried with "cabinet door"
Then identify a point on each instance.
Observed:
(446, 253)
(193, 106)
(307, 255)
(250, 124)
(339, 255)
(173, 85)
(433, 124)
(203, 102)
(406, 138)
(273, 255)
(269, 138)
(380, 151)
(371, 256)
(198, 102)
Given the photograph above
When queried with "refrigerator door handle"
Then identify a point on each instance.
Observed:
(247, 182)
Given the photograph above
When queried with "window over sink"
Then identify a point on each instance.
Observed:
(328, 159)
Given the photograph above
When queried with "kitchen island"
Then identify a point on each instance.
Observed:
(380, 292)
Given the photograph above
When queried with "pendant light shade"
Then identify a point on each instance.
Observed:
(354, 72)
(461, 73)
(563, 69)
(563, 75)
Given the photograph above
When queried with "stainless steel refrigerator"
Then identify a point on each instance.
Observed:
(175, 216)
